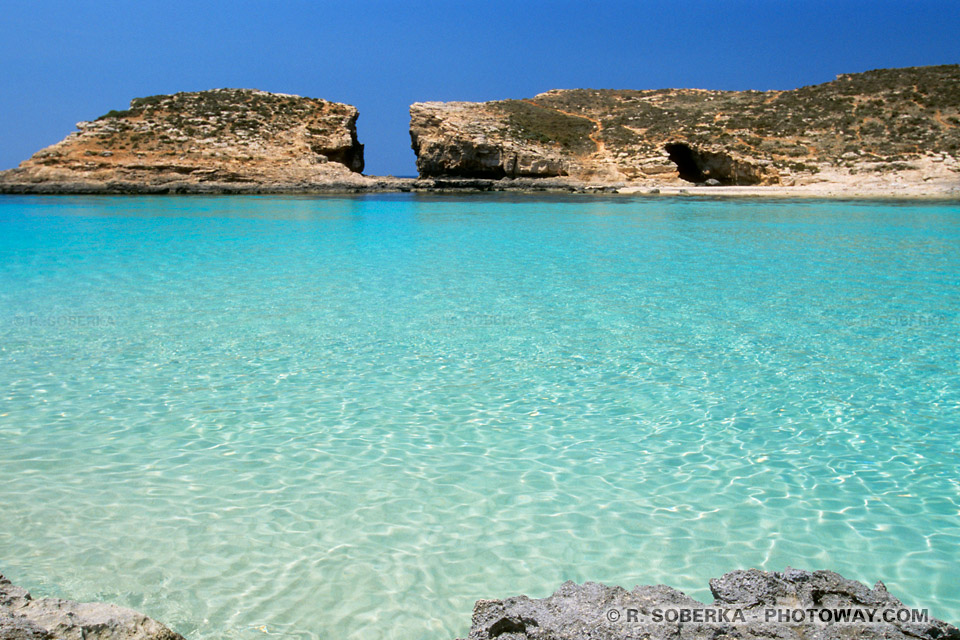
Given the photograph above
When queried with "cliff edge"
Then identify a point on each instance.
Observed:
(219, 140)
(856, 128)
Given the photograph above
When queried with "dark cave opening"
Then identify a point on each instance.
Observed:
(686, 160)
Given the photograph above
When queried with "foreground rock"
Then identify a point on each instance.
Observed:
(902, 123)
(597, 612)
(225, 140)
(23, 618)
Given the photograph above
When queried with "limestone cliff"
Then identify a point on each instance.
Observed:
(224, 138)
(902, 121)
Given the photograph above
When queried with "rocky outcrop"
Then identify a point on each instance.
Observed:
(464, 139)
(748, 605)
(893, 132)
(23, 618)
(894, 121)
(224, 139)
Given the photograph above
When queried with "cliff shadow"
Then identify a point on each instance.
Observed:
(699, 165)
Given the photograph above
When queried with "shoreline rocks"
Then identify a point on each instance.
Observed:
(875, 190)
(25, 618)
(747, 604)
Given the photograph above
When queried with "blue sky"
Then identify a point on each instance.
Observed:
(74, 60)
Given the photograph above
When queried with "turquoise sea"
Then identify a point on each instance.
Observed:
(344, 418)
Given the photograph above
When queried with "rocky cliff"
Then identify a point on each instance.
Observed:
(750, 605)
(887, 132)
(860, 126)
(24, 618)
(224, 139)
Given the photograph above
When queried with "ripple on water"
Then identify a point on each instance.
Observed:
(344, 417)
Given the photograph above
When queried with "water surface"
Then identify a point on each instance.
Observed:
(353, 417)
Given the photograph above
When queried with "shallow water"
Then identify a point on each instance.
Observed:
(353, 417)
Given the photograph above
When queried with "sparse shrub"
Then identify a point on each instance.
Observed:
(113, 113)
(548, 126)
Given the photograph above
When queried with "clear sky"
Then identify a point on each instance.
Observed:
(74, 60)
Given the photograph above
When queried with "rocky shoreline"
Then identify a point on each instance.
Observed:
(889, 133)
(25, 618)
(748, 604)
(751, 604)
(893, 190)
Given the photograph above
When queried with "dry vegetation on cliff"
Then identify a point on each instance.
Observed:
(174, 124)
(878, 121)
(876, 131)
(223, 137)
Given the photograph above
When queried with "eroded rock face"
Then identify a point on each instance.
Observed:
(596, 612)
(223, 136)
(893, 121)
(23, 618)
(464, 139)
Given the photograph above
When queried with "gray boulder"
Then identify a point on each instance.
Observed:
(16, 628)
(789, 605)
(23, 618)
